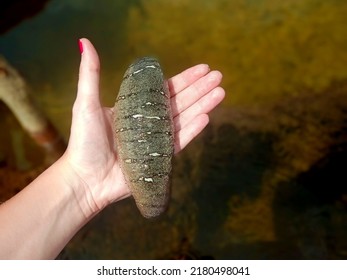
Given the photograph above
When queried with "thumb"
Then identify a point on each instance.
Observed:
(88, 82)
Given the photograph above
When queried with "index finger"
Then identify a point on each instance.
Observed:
(186, 78)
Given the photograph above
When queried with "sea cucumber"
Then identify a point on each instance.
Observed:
(144, 135)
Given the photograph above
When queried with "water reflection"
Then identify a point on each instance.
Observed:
(238, 191)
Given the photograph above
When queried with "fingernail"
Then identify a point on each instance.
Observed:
(80, 44)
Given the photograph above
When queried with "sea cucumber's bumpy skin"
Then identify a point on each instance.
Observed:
(144, 135)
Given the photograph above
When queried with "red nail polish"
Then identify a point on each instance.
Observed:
(80, 46)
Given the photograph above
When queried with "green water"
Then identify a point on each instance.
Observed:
(238, 190)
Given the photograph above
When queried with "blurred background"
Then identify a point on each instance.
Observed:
(265, 180)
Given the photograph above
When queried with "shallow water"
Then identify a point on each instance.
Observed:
(251, 186)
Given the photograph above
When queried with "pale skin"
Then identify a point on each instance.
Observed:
(39, 221)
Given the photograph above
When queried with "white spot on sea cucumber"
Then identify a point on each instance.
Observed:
(155, 154)
(147, 117)
(141, 69)
(128, 160)
(137, 71)
(152, 117)
(151, 66)
(142, 140)
(148, 132)
(148, 179)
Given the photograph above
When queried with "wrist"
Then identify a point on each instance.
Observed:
(76, 189)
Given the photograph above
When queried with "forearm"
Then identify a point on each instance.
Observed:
(39, 221)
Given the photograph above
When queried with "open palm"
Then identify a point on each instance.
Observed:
(91, 154)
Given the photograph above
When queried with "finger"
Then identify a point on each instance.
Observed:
(203, 106)
(88, 83)
(195, 91)
(190, 131)
(186, 78)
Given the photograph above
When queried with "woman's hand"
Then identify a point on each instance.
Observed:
(91, 160)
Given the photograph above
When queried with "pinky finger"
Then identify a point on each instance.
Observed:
(190, 131)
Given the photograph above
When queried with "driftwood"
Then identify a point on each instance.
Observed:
(14, 93)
